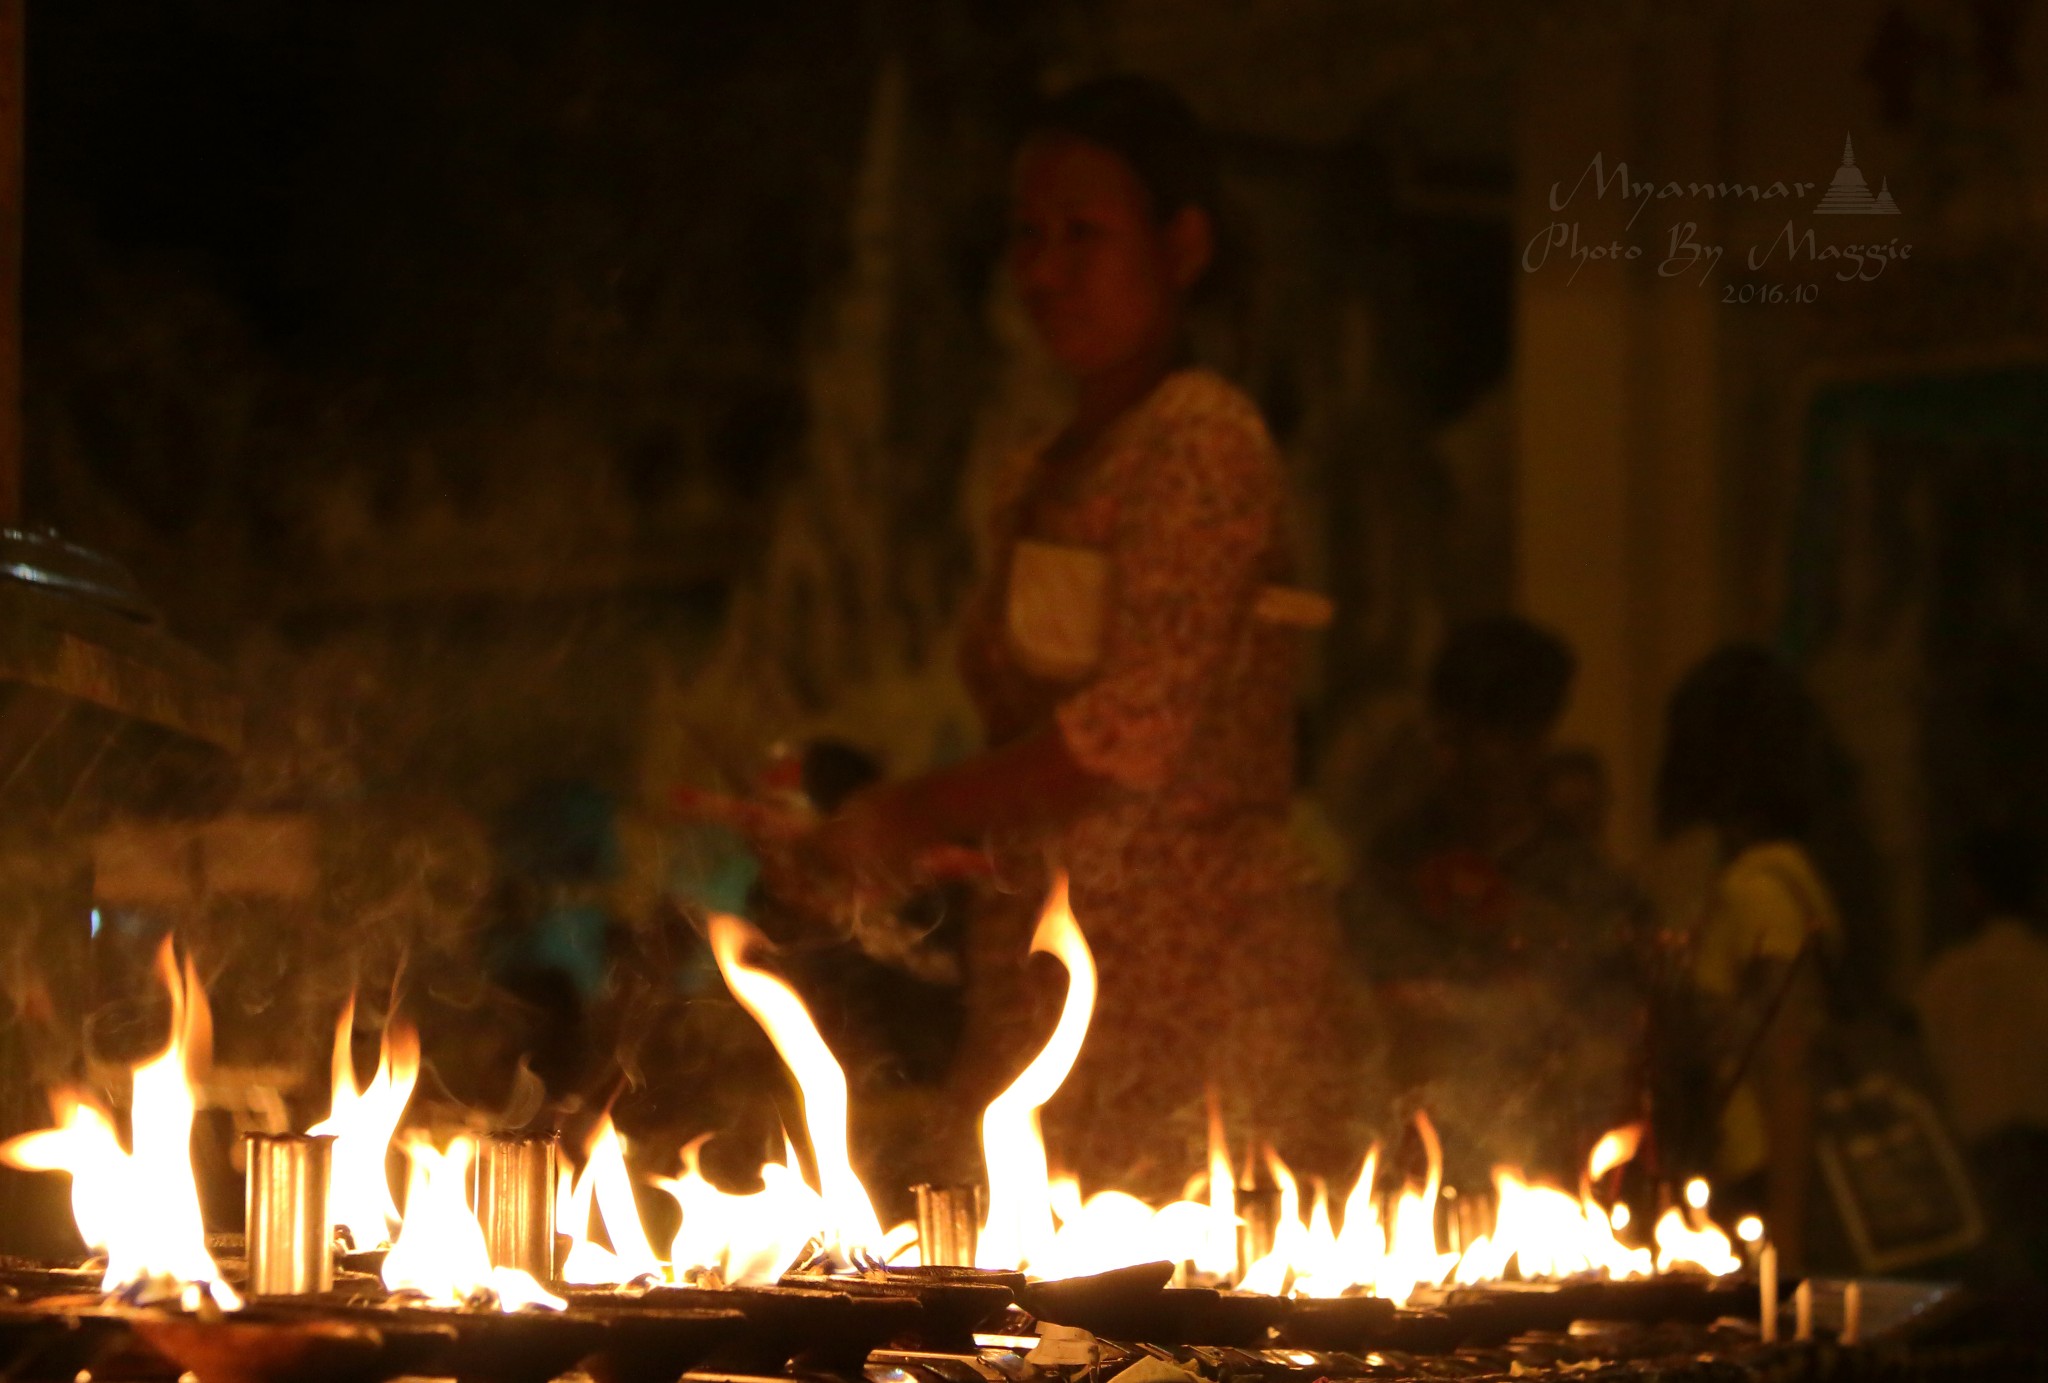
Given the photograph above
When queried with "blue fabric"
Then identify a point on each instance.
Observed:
(572, 939)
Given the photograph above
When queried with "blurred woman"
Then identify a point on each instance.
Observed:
(1744, 761)
(1134, 662)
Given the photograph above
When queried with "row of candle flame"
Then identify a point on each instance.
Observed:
(139, 1205)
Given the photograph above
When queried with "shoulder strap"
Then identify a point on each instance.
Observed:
(1755, 1041)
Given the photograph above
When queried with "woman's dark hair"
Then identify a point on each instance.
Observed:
(2004, 866)
(1502, 673)
(1748, 752)
(1152, 129)
(1745, 750)
(1149, 127)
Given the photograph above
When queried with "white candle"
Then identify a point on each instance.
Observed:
(1852, 1313)
(1767, 1290)
(1802, 1310)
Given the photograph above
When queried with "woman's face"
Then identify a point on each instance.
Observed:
(1102, 279)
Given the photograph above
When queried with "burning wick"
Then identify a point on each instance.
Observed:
(141, 1207)
(604, 1179)
(1019, 1230)
(362, 1122)
(1750, 1231)
(822, 1084)
(440, 1252)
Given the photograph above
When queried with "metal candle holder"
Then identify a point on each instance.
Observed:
(948, 1221)
(515, 1201)
(290, 1233)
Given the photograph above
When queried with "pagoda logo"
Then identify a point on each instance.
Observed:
(1850, 195)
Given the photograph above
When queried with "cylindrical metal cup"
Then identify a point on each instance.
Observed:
(290, 1236)
(948, 1221)
(515, 1201)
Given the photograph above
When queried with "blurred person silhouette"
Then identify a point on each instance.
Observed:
(1134, 656)
(1983, 1006)
(1492, 922)
(1577, 795)
(1744, 766)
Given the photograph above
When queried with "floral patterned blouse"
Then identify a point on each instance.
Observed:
(1215, 946)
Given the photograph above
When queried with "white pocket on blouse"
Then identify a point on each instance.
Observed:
(1058, 602)
(1058, 599)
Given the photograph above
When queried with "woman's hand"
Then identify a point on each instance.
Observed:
(890, 838)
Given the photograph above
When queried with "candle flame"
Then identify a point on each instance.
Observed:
(853, 1226)
(141, 1207)
(362, 1123)
(1019, 1228)
(440, 1255)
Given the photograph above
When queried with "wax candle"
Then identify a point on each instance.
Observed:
(1767, 1290)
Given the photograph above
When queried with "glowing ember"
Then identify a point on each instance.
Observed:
(362, 1123)
(141, 1208)
(852, 1227)
(440, 1255)
(1019, 1229)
